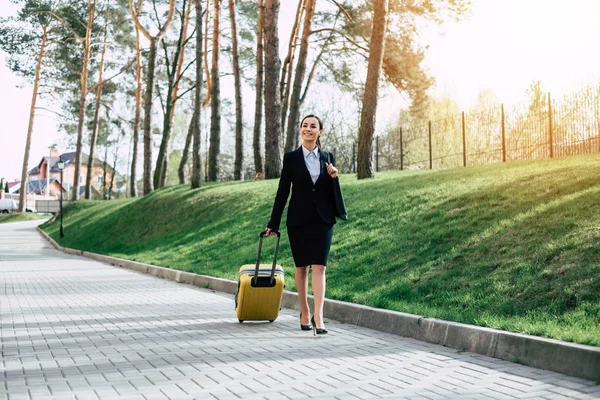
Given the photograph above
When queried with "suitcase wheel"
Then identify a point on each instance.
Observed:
(241, 320)
(271, 320)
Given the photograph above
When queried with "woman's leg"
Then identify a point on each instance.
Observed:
(318, 286)
(302, 288)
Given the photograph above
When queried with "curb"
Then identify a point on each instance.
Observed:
(554, 355)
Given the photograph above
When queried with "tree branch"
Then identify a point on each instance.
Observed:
(114, 76)
(156, 15)
(59, 19)
(167, 62)
(62, 116)
(184, 93)
(314, 67)
(160, 98)
(342, 9)
(341, 34)
(183, 72)
(137, 22)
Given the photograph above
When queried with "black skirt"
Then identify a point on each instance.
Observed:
(311, 242)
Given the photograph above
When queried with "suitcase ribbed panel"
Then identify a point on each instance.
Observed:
(259, 303)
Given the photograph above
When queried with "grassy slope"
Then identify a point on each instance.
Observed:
(20, 217)
(513, 246)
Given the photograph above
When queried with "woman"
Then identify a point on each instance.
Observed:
(310, 218)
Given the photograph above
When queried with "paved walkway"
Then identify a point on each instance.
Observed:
(72, 328)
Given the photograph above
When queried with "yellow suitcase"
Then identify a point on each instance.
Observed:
(260, 288)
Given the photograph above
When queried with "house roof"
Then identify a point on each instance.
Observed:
(39, 186)
(68, 158)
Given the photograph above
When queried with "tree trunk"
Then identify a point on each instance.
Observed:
(294, 118)
(196, 164)
(154, 40)
(112, 175)
(313, 69)
(84, 90)
(215, 98)
(186, 151)
(286, 73)
(206, 101)
(104, 168)
(272, 95)
(370, 96)
(138, 109)
(239, 120)
(258, 104)
(148, 118)
(90, 164)
(174, 73)
(36, 85)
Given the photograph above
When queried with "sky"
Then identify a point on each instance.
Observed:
(503, 45)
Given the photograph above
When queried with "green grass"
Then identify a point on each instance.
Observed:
(20, 217)
(509, 246)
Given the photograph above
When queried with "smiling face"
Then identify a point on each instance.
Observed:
(310, 131)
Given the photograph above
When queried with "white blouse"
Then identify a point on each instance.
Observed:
(311, 158)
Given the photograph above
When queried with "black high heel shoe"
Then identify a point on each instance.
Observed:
(304, 327)
(317, 331)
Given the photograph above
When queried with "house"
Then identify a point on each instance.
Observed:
(47, 171)
(13, 187)
(39, 187)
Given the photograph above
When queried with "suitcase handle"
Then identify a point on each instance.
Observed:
(260, 240)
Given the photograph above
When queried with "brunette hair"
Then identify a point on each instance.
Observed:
(320, 126)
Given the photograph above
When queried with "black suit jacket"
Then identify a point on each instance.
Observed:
(305, 194)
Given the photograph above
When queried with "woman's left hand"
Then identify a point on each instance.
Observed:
(331, 170)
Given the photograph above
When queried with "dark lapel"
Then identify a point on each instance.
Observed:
(322, 160)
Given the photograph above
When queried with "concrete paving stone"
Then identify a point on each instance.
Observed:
(456, 383)
(290, 394)
(363, 394)
(157, 378)
(113, 376)
(155, 395)
(95, 379)
(507, 390)
(415, 397)
(59, 388)
(555, 396)
(85, 395)
(564, 391)
(593, 390)
(511, 384)
(575, 383)
(124, 388)
(536, 394)
(496, 395)
(18, 396)
(223, 395)
(583, 396)
(78, 383)
(442, 389)
(38, 390)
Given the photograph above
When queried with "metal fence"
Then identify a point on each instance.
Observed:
(545, 128)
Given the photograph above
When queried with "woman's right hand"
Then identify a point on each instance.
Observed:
(269, 232)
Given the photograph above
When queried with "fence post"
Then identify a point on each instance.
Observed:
(430, 151)
(401, 151)
(503, 137)
(550, 126)
(464, 137)
(377, 153)
(354, 157)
